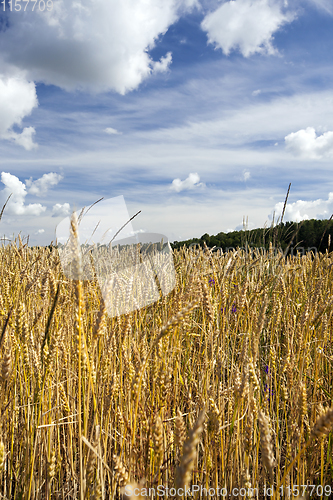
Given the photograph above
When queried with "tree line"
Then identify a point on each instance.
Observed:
(290, 237)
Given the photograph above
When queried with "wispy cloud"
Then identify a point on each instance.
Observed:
(246, 175)
(111, 131)
(325, 5)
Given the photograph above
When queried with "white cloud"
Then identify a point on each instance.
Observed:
(244, 225)
(257, 121)
(25, 138)
(111, 131)
(97, 46)
(61, 210)
(41, 185)
(246, 175)
(305, 210)
(17, 100)
(163, 64)
(191, 182)
(16, 204)
(256, 92)
(40, 231)
(247, 25)
(308, 145)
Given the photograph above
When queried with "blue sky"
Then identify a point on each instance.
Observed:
(198, 112)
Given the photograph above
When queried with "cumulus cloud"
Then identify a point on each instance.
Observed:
(306, 144)
(95, 46)
(247, 25)
(240, 227)
(163, 64)
(305, 210)
(17, 100)
(59, 210)
(41, 185)
(192, 181)
(111, 131)
(25, 138)
(18, 190)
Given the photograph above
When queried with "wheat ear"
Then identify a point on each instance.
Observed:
(185, 468)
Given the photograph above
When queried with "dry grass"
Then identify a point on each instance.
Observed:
(227, 381)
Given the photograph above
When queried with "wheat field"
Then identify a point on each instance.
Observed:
(225, 382)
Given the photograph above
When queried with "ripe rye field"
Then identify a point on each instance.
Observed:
(226, 382)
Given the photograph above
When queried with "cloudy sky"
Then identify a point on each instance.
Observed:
(198, 112)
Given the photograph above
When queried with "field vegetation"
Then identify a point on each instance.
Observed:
(225, 382)
(307, 235)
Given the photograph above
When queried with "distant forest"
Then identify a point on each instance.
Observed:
(291, 237)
